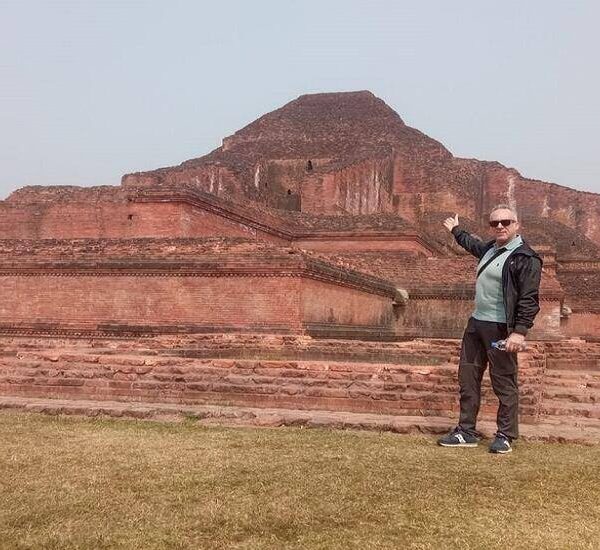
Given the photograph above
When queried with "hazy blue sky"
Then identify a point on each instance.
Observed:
(90, 90)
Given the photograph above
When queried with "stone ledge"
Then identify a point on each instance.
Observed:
(248, 416)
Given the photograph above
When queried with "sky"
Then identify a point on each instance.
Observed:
(91, 90)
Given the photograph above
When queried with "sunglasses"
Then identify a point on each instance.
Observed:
(503, 223)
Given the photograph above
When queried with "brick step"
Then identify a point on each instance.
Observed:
(574, 364)
(263, 347)
(588, 378)
(591, 386)
(32, 363)
(317, 400)
(561, 347)
(563, 353)
(254, 346)
(586, 348)
(322, 370)
(567, 420)
(572, 373)
(425, 391)
(315, 354)
(583, 355)
(581, 350)
(215, 382)
(576, 430)
(285, 396)
(575, 352)
(576, 394)
(400, 380)
(561, 408)
(412, 359)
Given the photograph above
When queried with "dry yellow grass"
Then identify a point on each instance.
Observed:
(77, 483)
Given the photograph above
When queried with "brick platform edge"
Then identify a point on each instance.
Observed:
(203, 415)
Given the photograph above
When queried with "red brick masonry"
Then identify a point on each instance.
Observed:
(155, 286)
(415, 378)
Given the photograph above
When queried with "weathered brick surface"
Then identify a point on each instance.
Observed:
(559, 381)
(364, 159)
(325, 304)
(574, 355)
(65, 218)
(192, 286)
(581, 280)
(571, 384)
(424, 384)
(586, 325)
(93, 301)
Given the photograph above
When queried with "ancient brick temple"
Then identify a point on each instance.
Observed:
(302, 265)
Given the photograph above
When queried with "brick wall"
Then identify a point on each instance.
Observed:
(212, 178)
(583, 325)
(446, 318)
(325, 307)
(573, 355)
(89, 301)
(172, 285)
(421, 381)
(433, 318)
(118, 219)
(279, 182)
(361, 188)
(575, 209)
(302, 385)
(581, 280)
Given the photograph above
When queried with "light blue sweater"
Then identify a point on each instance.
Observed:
(489, 299)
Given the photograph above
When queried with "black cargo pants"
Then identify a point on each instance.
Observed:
(475, 354)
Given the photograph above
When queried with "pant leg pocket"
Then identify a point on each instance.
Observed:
(472, 349)
(502, 362)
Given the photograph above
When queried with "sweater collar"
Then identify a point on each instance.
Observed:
(512, 245)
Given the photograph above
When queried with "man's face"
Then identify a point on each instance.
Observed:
(503, 234)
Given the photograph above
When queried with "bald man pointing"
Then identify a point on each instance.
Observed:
(506, 303)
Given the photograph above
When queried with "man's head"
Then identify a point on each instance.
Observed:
(504, 223)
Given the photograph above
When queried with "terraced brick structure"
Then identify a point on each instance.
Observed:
(301, 266)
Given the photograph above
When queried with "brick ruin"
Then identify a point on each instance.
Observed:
(301, 265)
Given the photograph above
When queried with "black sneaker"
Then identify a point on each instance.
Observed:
(458, 438)
(501, 444)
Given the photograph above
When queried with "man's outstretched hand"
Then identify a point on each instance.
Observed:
(451, 223)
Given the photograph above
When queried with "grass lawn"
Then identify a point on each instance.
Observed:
(93, 484)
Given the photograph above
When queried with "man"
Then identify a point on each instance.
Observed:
(506, 303)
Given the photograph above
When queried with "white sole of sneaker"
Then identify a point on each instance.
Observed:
(459, 445)
(501, 452)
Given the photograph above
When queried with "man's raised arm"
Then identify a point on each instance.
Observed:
(471, 244)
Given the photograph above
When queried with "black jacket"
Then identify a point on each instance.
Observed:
(521, 276)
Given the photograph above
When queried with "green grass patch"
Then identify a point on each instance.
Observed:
(94, 484)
